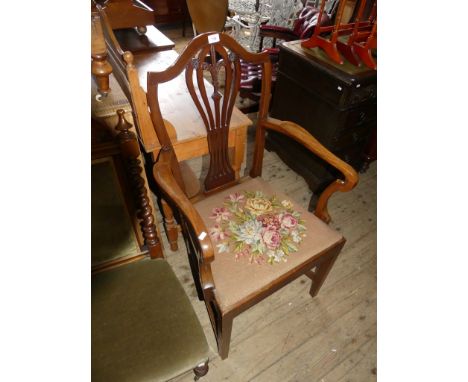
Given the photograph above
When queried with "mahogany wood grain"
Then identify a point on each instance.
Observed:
(131, 153)
(128, 13)
(190, 137)
(299, 134)
(123, 148)
(202, 53)
(215, 113)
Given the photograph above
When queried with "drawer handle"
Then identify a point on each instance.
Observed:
(362, 116)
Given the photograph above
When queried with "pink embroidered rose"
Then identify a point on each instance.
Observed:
(217, 233)
(220, 213)
(271, 238)
(288, 221)
(270, 220)
(235, 198)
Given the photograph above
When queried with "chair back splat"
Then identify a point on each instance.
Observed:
(208, 55)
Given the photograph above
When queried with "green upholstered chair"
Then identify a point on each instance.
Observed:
(143, 325)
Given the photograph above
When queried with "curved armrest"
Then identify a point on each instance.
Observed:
(301, 135)
(163, 175)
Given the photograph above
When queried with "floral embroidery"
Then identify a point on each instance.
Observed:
(257, 227)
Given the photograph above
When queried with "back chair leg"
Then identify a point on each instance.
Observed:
(320, 274)
(172, 231)
(200, 370)
(224, 338)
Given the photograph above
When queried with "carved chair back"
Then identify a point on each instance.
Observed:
(305, 22)
(209, 54)
(126, 74)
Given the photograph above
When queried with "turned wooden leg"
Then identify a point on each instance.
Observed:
(100, 68)
(320, 274)
(224, 337)
(130, 153)
(201, 370)
(172, 231)
(145, 213)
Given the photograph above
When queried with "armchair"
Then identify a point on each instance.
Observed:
(245, 239)
(303, 26)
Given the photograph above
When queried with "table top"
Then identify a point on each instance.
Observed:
(176, 104)
(152, 41)
(175, 101)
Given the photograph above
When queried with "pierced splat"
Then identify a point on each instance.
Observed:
(215, 109)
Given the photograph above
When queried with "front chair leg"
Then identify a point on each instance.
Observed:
(320, 274)
(200, 370)
(172, 231)
(224, 336)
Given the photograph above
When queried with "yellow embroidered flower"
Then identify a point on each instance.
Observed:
(287, 204)
(258, 206)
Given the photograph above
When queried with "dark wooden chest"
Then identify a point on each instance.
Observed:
(337, 104)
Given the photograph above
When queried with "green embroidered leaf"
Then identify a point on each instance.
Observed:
(239, 246)
(291, 246)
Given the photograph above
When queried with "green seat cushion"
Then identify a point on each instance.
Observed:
(143, 325)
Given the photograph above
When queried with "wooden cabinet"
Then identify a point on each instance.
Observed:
(337, 104)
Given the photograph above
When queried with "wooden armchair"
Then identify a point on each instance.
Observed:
(244, 221)
(303, 26)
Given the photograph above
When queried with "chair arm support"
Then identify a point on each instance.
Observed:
(301, 135)
(163, 176)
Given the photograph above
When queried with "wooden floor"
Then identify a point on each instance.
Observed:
(290, 336)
